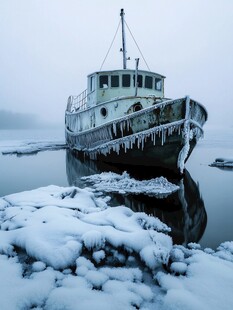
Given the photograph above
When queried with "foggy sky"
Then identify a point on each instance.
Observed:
(48, 47)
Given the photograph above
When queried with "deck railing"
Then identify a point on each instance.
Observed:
(76, 103)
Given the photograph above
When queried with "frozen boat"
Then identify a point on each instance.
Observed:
(123, 117)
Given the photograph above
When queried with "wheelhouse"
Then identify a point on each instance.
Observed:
(108, 85)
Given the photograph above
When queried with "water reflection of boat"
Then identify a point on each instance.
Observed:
(183, 211)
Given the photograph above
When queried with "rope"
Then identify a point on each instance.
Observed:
(110, 45)
(137, 46)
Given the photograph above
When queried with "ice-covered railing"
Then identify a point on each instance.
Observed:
(76, 103)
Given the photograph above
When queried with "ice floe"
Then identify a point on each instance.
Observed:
(223, 162)
(66, 248)
(124, 184)
(29, 147)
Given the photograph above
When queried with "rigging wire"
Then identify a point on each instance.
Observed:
(133, 40)
(137, 46)
(110, 45)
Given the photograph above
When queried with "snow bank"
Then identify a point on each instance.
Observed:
(54, 225)
(222, 162)
(29, 147)
(116, 183)
(207, 283)
(65, 248)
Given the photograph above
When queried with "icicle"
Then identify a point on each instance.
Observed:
(154, 137)
(128, 124)
(143, 140)
(114, 128)
(121, 128)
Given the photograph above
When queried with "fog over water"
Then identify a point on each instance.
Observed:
(49, 47)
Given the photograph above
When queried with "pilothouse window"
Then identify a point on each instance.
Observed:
(92, 83)
(114, 80)
(126, 80)
(158, 84)
(139, 80)
(103, 81)
(148, 82)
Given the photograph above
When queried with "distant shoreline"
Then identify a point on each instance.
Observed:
(10, 120)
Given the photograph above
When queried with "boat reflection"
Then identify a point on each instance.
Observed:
(183, 211)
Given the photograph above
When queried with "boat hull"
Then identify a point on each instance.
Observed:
(162, 135)
(153, 155)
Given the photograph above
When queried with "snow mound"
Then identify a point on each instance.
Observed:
(30, 147)
(222, 162)
(65, 248)
(123, 184)
(55, 225)
(200, 281)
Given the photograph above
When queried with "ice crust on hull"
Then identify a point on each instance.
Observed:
(151, 146)
(120, 136)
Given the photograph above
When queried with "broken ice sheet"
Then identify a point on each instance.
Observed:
(29, 147)
(124, 184)
(223, 162)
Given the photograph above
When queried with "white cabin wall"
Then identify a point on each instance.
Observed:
(92, 117)
(111, 93)
(92, 81)
(99, 95)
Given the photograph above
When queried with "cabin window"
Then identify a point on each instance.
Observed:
(126, 80)
(92, 83)
(103, 81)
(139, 80)
(148, 82)
(158, 84)
(114, 80)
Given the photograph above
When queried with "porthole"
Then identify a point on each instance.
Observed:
(137, 107)
(103, 112)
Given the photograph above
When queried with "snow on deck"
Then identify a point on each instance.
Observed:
(65, 248)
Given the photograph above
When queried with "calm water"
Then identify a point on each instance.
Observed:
(201, 211)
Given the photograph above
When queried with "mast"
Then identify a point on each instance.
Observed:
(123, 38)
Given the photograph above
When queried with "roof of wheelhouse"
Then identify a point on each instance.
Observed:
(126, 71)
